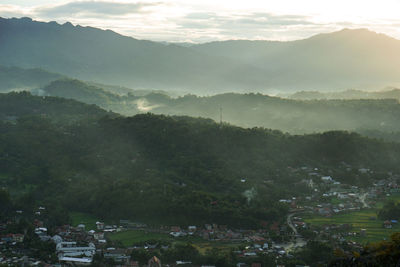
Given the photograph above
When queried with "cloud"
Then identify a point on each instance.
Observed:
(251, 25)
(240, 21)
(201, 15)
(275, 20)
(183, 21)
(13, 11)
(94, 9)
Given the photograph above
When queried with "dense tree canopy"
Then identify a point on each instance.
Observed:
(165, 169)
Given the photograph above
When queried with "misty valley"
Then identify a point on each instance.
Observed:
(116, 151)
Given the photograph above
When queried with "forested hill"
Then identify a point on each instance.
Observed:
(162, 169)
(14, 78)
(387, 93)
(249, 110)
(22, 104)
(75, 89)
(246, 110)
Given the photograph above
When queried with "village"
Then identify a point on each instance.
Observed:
(334, 210)
(78, 246)
(311, 217)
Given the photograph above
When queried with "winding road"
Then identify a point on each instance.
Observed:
(299, 241)
(362, 199)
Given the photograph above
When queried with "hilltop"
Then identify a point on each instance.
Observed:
(18, 79)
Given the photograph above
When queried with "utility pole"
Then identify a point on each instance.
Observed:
(220, 115)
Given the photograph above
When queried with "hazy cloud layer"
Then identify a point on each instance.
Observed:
(263, 19)
(92, 8)
(209, 26)
(9, 11)
(171, 20)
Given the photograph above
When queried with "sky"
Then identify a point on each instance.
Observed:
(209, 20)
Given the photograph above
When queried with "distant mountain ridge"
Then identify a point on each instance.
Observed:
(104, 56)
(358, 59)
(387, 93)
(347, 58)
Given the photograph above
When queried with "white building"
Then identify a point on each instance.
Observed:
(326, 178)
(76, 261)
(70, 249)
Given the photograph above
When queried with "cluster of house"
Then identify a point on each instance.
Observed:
(11, 253)
(8, 247)
(330, 196)
(210, 232)
(72, 253)
(76, 246)
(215, 232)
(19, 261)
(12, 238)
(332, 233)
(257, 242)
(388, 224)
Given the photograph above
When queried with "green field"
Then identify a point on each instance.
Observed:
(336, 201)
(365, 219)
(131, 237)
(83, 218)
(395, 198)
(203, 246)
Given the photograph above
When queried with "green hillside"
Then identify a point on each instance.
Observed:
(14, 78)
(370, 116)
(162, 169)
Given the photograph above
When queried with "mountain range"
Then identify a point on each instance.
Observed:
(339, 60)
(387, 93)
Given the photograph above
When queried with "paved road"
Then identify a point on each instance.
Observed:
(289, 222)
(299, 241)
(362, 199)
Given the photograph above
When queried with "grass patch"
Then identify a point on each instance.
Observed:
(336, 201)
(131, 237)
(204, 246)
(83, 218)
(394, 197)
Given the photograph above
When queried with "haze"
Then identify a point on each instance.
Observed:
(199, 133)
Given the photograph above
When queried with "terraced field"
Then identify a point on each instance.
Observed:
(364, 219)
(359, 220)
